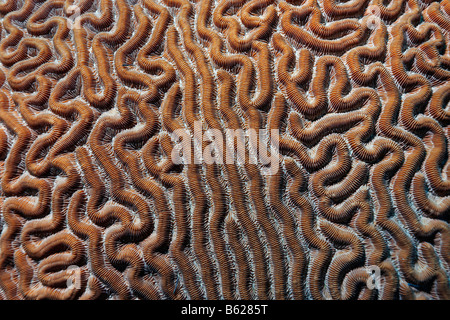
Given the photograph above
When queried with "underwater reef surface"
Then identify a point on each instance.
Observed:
(116, 116)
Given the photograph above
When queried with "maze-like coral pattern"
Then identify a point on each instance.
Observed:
(91, 91)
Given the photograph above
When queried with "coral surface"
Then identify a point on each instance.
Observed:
(350, 200)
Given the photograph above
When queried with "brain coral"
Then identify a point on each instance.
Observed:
(115, 114)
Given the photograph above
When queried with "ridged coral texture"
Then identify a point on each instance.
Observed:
(354, 98)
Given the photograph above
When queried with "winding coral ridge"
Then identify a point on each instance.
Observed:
(92, 91)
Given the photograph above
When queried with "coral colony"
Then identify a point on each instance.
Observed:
(228, 149)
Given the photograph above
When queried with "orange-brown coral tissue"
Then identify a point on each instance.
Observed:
(228, 149)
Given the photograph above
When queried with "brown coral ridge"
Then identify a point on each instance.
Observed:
(93, 205)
